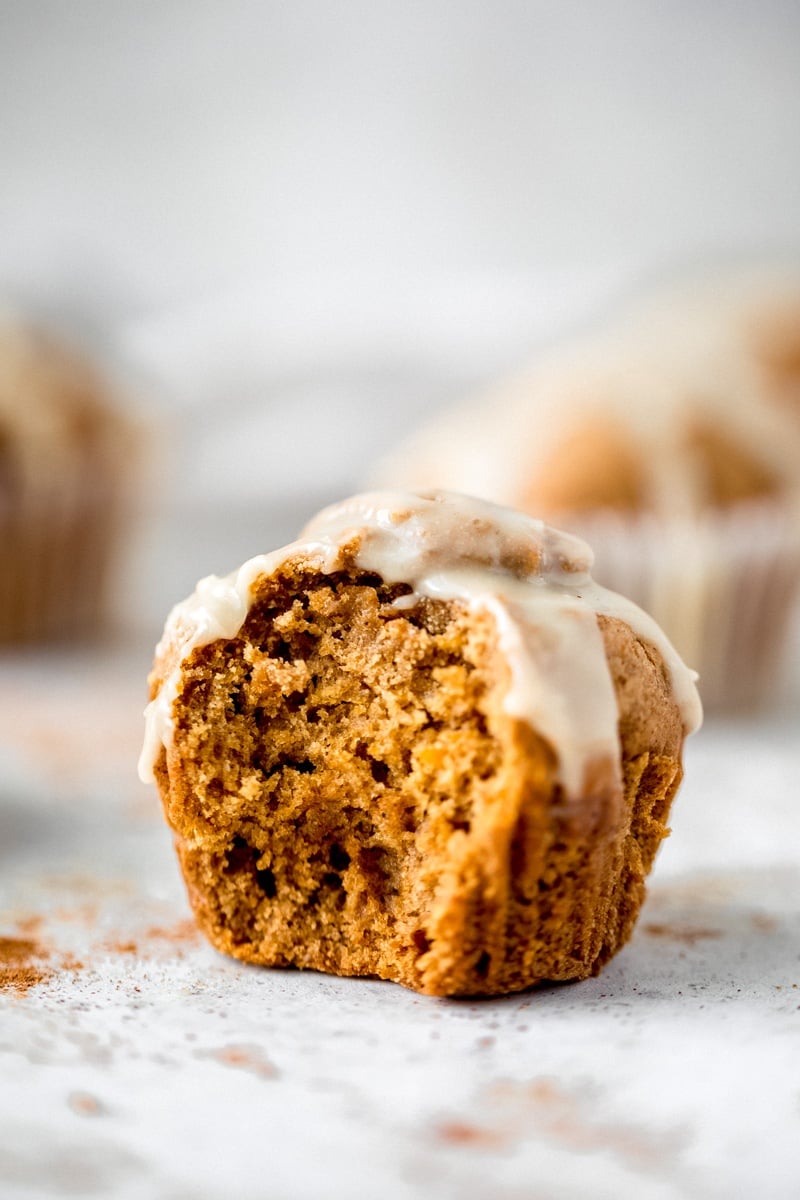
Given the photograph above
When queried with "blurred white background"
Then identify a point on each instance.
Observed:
(300, 226)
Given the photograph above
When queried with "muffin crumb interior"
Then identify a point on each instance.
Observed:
(349, 794)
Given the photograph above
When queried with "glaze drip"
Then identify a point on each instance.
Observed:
(534, 580)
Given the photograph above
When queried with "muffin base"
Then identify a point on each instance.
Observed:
(59, 545)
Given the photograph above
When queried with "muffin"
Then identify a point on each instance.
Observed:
(766, 325)
(420, 743)
(64, 455)
(671, 442)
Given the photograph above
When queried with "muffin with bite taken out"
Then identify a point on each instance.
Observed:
(419, 743)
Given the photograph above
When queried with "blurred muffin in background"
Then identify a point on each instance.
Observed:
(671, 442)
(767, 324)
(65, 460)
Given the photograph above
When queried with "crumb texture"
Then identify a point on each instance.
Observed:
(348, 794)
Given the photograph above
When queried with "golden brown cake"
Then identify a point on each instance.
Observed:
(421, 744)
(64, 456)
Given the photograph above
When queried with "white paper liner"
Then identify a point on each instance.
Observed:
(722, 586)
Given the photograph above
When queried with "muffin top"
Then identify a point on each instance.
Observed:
(767, 326)
(534, 580)
(690, 402)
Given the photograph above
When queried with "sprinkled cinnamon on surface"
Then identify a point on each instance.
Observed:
(245, 1057)
(569, 1117)
(21, 955)
(460, 1133)
(25, 963)
(153, 939)
(121, 947)
(20, 964)
(85, 1105)
(69, 963)
(182, 931)
(676, 933)
(30, 923)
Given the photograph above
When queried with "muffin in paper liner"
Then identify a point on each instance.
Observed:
(723, 584)
(65, 466)
(670, 440)
(60, 547)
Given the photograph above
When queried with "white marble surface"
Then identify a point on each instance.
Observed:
(158, 1068)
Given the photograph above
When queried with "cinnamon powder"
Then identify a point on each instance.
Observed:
(20, 964)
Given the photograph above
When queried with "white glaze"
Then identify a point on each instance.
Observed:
(534, 580)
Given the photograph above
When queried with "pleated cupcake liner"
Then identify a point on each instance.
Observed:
(723, 586)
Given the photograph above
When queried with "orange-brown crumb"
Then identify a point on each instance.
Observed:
(349, 794)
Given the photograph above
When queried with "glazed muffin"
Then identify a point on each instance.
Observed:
(670, 443)
(64, 458)
(420, 744)
(765, 324)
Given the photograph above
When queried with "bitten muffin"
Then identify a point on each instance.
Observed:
(65, 454)
(670, 440)
(420, 744)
